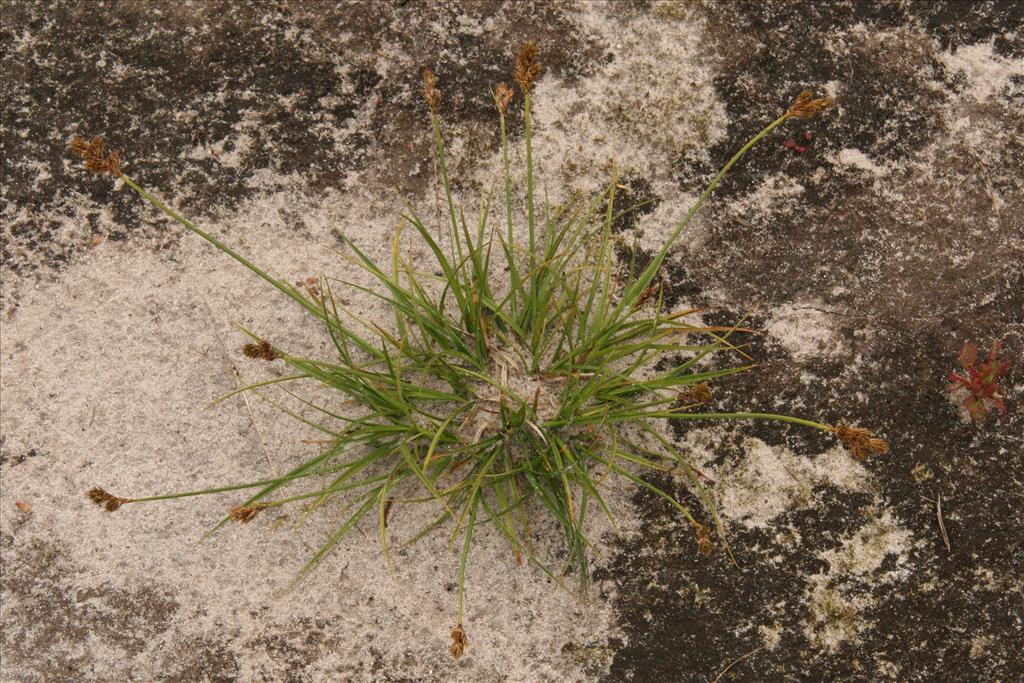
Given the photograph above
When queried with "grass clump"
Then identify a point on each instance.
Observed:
(521, 382)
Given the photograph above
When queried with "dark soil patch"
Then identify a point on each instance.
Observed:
(907, 277)
(201, 97)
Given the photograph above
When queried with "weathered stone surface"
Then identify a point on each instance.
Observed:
(864, 262)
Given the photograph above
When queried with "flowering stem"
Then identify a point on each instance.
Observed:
(645, 278)
(286, 289)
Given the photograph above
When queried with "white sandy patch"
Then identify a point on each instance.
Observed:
(771, 636)
(855, 158)
(653, 102)
(776, 194)
(836, 596)
(987, 74)
(805, 331)
(771, 480)
(118, 398)
(988, 82)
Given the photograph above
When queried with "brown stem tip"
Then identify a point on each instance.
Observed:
(106, 500)
(860, 442)
(262, 350)
(244, 514)
(430, 92)
(95, 160)
(527, 66)
(806, 106)
(459, 641)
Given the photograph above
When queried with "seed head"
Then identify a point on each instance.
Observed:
(106, 500)
(459, 641)
(502, 97)
(262, 350)
(704, 540)
(527, 66)
(860, 442)
(430, 91)
(806, 106)
(244, 514)
(95, 161)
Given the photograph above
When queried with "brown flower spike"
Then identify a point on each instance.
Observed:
(95, 161)
(860, 442)
(704, 540)
(262, 350)
(430, 91)
(502, 97)
(459, 641)
(806, 106)
(527, 66)
(244, 514)
(106, 500)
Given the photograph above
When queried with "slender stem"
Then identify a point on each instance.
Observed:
(238, 487)
(649, 272)
(530, 217)
(443, 165)
(602, 416)
(530, 311)
(291, 292)
(465, 553)
(510, 249)
(743, 416)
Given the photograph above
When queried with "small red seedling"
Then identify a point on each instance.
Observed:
(792, 144)
(981, 382)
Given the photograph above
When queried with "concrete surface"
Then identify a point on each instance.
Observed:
(866, 261)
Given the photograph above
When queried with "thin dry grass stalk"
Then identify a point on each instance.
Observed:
(860, 442)
(95, 160)
(942, 523)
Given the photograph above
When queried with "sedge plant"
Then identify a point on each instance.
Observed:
(522, 382)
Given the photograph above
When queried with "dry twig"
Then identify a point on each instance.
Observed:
(735, 662)
(942, 524)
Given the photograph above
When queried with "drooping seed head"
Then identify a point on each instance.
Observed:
(805, 106)
(704, 540)
(860, 442)
(459, 642)
(262, 350)
(95, 160)
(244, 514)
(698, 393)
(106, 500)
